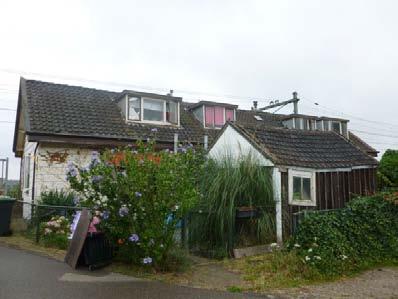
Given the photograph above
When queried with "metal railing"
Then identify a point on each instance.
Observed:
(40, 212)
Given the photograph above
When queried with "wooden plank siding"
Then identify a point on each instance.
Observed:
(333, 191)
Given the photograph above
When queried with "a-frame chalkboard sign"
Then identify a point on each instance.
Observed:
(77, 242)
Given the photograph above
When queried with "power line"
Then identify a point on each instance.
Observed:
(375, 134)
(350, 115)
(8, 109)
(6, 121)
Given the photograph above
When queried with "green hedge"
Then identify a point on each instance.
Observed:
(362, 234)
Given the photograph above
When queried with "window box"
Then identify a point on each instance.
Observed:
(302, 188)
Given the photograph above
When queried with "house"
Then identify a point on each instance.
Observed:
(318, 163)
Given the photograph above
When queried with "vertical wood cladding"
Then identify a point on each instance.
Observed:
(333, 191)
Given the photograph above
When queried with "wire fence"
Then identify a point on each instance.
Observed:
(41, 213)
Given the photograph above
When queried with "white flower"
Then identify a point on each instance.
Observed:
(343, 257)
(317, 257)
(297, 245)
(47, 231)
(273, 245)
(310, 250)
(307, 258)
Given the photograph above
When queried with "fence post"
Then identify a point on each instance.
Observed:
(277, 185)
(37, 223)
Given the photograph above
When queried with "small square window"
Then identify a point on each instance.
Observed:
(302, 188)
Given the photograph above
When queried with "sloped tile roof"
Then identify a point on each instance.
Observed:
(310, 149)
(87, 112)
(362, 144)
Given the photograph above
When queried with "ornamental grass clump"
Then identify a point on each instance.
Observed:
(226, 185)
(362, 234)
(140, 194)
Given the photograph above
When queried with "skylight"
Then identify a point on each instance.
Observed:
(258, 117)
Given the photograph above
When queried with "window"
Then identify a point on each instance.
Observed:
(302, 188)
(216, 116)
(319, 125)
(134, 108)
(311, 124)
(229, 115)
(26, 172)
(336, 126)
(172, 112)
(153, 110)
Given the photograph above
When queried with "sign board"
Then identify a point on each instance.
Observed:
(78, 238)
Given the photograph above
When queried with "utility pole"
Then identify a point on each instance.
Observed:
(277, 103)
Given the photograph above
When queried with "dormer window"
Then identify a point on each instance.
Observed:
(159, 111)
(216, 116)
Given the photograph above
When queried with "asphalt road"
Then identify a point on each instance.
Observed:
(25, 275)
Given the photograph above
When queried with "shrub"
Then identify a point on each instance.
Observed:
(361, 234)
(388, 169)
(57, 198)
(55, 232)
(225, 186)
(141, 195)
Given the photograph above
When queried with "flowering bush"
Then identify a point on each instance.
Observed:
(361, 234)
(55, 232)
(140, 194)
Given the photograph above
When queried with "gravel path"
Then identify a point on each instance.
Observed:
(379, 283)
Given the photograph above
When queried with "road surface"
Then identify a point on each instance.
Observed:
(25, 275)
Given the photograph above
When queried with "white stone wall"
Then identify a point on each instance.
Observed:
(50, 173)
(52, 163)
(234, 145)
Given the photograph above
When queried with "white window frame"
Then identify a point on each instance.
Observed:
(302, 174)
(142, 120)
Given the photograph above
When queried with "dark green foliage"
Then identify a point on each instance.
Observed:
(14, 191)
(57, 198)
(225, 186)
(362, 234)
(388, 169)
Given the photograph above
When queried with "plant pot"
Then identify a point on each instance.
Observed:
(6, 204)
(246, 212)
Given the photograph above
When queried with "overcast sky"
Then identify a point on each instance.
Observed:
(341, 54)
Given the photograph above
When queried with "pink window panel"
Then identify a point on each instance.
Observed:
(219, 116)
(229, 114)
(209, 116)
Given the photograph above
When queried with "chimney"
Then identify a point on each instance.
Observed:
(170, 93)
(254, 105)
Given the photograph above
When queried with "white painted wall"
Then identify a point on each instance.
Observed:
(29, 149)
(234, 145)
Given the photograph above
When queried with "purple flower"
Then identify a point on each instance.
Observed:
(95, 158)
(138, 194)
(154, 130)
(123, 211)
(76, 199)
(105, 215)
(134, 238)
(96, 179)
(71, 170)
(147, 260)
